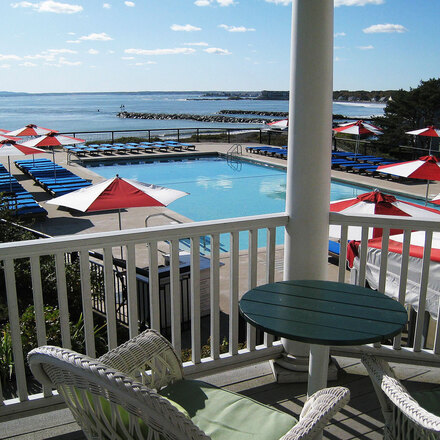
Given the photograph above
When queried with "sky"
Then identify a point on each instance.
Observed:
(118, 45)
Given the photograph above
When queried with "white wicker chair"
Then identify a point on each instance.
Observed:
(116, 396)
(404, 417)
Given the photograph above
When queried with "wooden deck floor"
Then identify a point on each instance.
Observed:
(360, 419)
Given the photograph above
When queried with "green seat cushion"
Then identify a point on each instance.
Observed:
(429, 400)
(224, 415)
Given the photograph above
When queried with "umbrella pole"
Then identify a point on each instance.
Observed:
(54, 168)
(10, 175)
(427, 191)
(120, 228)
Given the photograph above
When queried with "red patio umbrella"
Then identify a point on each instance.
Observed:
(379, 203)
(30, 130)
(358, 128)
(430, 131)
(425, 167)
(53, 139)
(117, 193)
(282, 124)
(10, 147)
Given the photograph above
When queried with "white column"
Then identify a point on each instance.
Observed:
(309, 146)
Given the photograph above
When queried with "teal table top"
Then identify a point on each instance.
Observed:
(323, 312)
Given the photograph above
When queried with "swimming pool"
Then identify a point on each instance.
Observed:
(218, 188)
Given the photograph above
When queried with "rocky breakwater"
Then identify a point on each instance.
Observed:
(201, 118)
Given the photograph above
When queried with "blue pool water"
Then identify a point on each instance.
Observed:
(218, 189)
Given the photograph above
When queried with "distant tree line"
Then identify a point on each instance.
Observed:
(363, 95)
(410, 110)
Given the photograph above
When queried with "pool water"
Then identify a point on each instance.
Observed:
(218, 188)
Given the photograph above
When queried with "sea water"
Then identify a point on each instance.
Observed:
(73, 112)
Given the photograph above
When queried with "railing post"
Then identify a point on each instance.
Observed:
(229, 135)
(309, 144)
(261, 133)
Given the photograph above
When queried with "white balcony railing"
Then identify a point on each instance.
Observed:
(231, 273)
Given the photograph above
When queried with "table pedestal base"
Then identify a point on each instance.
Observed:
(288, 370)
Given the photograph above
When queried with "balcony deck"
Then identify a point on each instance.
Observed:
(360, 419)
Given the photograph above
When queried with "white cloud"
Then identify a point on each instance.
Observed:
(217, 51)
(385, 28)
(58, 51)
(71, 33)
(28, 64)
(110, 51)
(235, 28)
(73, 41)
(340, 34)
(5, 66)
(65, 62)
(93, 52)
(358, 2)
(9, 57)
(106, 5)
(49, 6)
(280, 2)
(366, 47)
(127, 58)
(184, 28)
(175, 51)
(96, 37)
(201, 43)
(219, 2)
(130, 4)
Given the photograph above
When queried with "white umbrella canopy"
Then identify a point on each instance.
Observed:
(358, 128)
(425, 167)
(282, 124)
(378, 203)
(429, 131)
(117, 193)
(30, 130)
(52, 139)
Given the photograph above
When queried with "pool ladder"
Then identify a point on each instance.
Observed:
(232, 156)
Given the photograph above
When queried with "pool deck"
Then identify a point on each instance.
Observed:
(60, 220)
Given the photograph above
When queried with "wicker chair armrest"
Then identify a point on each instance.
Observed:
(148, 357)
(383, 378)
(317, 412)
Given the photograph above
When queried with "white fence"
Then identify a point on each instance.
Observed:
(231, 273)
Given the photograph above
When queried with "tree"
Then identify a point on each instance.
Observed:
(410, 110)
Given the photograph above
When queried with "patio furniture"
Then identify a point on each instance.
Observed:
(409, 417)
(322, 313)
(137, 391)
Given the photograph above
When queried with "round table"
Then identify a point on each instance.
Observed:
(323, 313)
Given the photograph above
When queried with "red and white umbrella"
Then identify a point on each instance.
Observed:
(376, 202)
(53, 139)
(430, 131)
(30, 130)
(425, 167)
(358, 128)
(10, 147)
(117, 193)
(282, 124)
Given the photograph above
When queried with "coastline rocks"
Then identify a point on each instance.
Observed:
(201, 118)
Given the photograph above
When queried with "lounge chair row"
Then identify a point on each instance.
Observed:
(130, 147)
(52, 177)
(361, 164)
(268, 151)
(16, 199)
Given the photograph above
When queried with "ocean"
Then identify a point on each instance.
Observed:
(73, 112)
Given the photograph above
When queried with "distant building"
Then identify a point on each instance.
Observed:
(274, 95)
